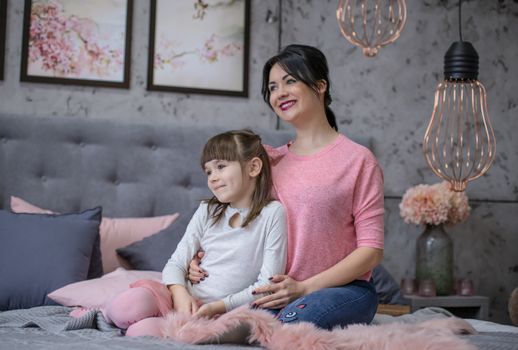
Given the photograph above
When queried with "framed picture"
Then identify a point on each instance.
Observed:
(77, 42)
(199, 46)
(3, 29)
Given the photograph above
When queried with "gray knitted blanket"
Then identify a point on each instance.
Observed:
(54, 319)
(48, 327)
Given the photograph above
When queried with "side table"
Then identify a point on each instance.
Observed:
(475, 306)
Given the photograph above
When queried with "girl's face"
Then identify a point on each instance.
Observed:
(289, 97)
(229, 183)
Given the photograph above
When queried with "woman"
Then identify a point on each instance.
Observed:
(332, 189)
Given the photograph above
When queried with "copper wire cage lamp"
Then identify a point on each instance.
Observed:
(459, 143)
(371, 24)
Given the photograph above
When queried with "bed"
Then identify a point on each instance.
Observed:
(143, 179)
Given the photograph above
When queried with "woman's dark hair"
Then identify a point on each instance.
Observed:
(306, 64)
(241, 146)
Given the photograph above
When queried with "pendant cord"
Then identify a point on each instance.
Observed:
(279, 35)
(278, 120)
(460, 20)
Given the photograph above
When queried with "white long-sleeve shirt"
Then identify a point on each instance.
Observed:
(238, 260)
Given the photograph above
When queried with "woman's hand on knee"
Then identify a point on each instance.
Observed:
(196, 273)
(280, 293)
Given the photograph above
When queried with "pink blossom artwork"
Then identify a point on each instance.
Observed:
(76, 41)
(199, 46)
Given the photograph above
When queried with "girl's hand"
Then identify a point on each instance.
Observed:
(196, 273)
(186, 305)
(280, 293)
(182, 301)
(211, 309)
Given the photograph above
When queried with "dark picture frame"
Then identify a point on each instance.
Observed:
(199, 46)
(3, 30)
(97, 42)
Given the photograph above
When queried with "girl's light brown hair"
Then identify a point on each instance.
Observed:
(242, 146)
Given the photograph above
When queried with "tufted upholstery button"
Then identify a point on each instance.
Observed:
(43, 178)
(154, 147)
(82, 144)
(185, 182)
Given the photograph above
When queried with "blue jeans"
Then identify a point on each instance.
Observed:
(355, 302)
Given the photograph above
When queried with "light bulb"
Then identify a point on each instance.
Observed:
(371, 24)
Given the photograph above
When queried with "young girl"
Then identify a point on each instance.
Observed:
(241, 229)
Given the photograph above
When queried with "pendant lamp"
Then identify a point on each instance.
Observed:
(459, 143)
(371, 24)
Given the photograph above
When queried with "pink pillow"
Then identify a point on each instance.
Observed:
(115, 232)
(96, 292)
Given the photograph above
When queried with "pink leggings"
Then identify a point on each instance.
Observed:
(136, 310)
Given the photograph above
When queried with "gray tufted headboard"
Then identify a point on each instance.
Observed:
(69, 164)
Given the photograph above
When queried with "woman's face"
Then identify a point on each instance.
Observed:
(290, 98)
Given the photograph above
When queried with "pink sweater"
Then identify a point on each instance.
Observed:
(334, 204)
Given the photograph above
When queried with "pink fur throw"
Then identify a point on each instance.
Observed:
(263, 329)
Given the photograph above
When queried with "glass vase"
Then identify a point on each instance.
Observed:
(434, 259)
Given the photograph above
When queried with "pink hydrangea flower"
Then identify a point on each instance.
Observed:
(433, 205)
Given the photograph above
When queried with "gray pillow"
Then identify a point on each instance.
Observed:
(40, 253)
(387, 288)
(152, 253)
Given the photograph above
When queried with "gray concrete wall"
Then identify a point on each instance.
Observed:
(388, 98)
